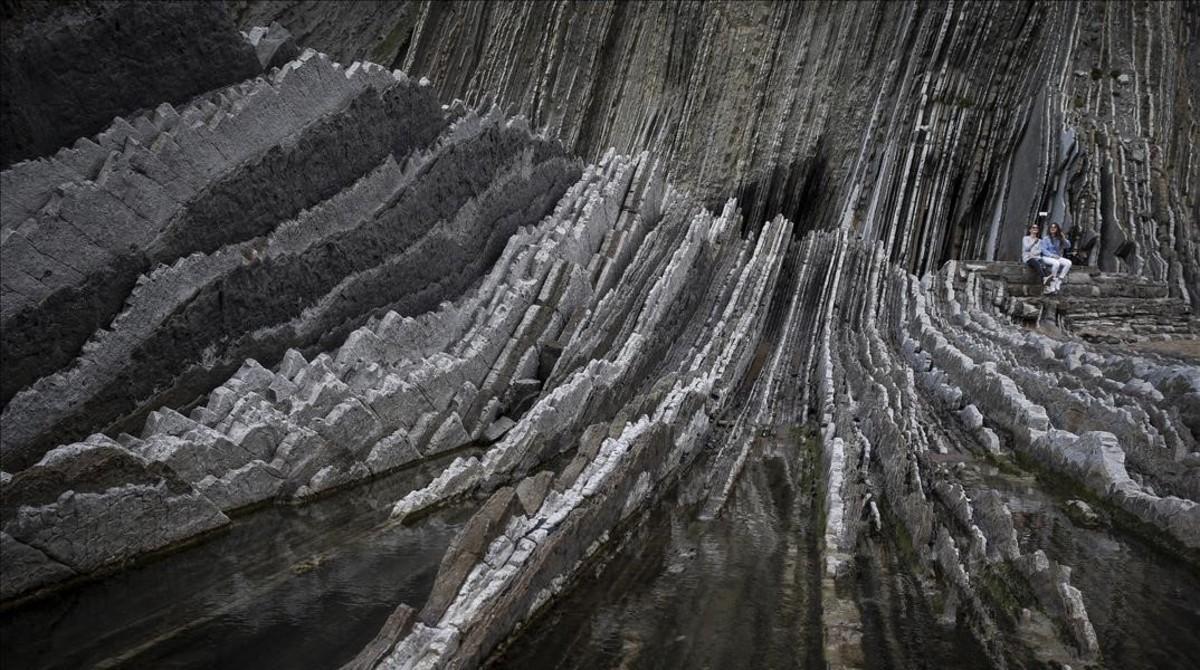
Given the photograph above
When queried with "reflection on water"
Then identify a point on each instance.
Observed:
(737, 591)
(285, 587)
(1143, 603)
(1145, 607)
(741, 591)
(310, 586)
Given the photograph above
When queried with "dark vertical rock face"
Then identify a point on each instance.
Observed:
(936, 130)
(578, 259)
(69, 71)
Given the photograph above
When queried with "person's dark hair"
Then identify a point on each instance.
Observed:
(1055, 231)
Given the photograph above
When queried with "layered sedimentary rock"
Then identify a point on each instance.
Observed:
(323, 274)
(911, 382)
(67, 70)
(330, 200)
(944, 126)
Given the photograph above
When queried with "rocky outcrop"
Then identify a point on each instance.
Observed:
(324, 274)
(92, 505)
(321, 230)
(904, 376)
(934, 373)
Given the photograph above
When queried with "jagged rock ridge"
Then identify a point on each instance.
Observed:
(321, 275)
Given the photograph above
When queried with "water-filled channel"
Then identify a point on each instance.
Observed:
(742, 590)
(308, 587)
(293, 587)
(739, 590)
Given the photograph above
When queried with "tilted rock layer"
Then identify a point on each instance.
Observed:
(938, 129)
(317, 274)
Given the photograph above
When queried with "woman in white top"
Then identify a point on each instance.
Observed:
(1031, 255)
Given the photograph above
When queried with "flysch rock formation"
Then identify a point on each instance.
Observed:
(311, 227)
(572, 272)
(946, 125)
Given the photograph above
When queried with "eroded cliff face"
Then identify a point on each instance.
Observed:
(937, 130)
(592, 266)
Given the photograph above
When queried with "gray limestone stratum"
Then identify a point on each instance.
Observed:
(579, 257)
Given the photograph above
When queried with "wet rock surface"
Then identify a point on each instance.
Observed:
(494, 354)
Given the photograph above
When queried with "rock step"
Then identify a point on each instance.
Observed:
(1084, 289)
(1106, 319)
(1021, 281)
(1126, 319)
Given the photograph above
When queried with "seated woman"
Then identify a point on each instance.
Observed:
(1031, 255)
(1055, 247)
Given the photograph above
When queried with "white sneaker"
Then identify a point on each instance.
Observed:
(1055, 286)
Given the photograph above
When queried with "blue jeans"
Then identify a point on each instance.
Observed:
(1039, 266)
